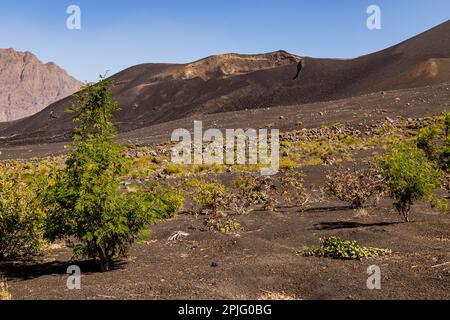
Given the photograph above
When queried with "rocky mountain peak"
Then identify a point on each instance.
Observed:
(28, 85)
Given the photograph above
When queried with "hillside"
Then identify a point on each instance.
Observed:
(28, 85)
(156, 93)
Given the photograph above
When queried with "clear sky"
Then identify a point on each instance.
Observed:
(116, 34)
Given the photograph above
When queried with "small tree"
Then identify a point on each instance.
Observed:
(87, 201)
(354, 186)
(410, 176)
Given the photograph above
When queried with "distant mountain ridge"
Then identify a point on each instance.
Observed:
(27, 85)
(156, 93)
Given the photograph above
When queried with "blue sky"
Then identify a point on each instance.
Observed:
(115, 35)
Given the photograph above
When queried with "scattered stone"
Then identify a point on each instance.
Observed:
(178, 235)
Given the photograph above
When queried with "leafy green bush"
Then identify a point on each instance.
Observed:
(171, 200)
(174, 169)
(410, 176)
(87, 200)
(21, 216)
(142, 167)
(211, 196)
(425, 141)
(248, 190)
(213, 200)
(336, 248)
(434, 140)
(354, 186)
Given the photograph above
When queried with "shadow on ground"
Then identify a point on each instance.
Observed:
(27, 270)
(349, 225)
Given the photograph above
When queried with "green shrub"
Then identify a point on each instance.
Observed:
(171, 199)
(286, 164)
(212, 197)
(21, 216)
(213, 200)
(425, 141)
(87, 201)
(142, 167)
(336, 248)
(174, 169)
(435, 142)
(224, 224)
(410, 176)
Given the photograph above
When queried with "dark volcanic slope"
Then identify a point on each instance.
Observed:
(156, 93)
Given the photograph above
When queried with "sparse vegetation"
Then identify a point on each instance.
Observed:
(336, 248)
(224, 224)
(211, 197)
(142, 167)
(174, 169)
(356, 187)
(171, 199)
(292, 189)
(434, 140)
